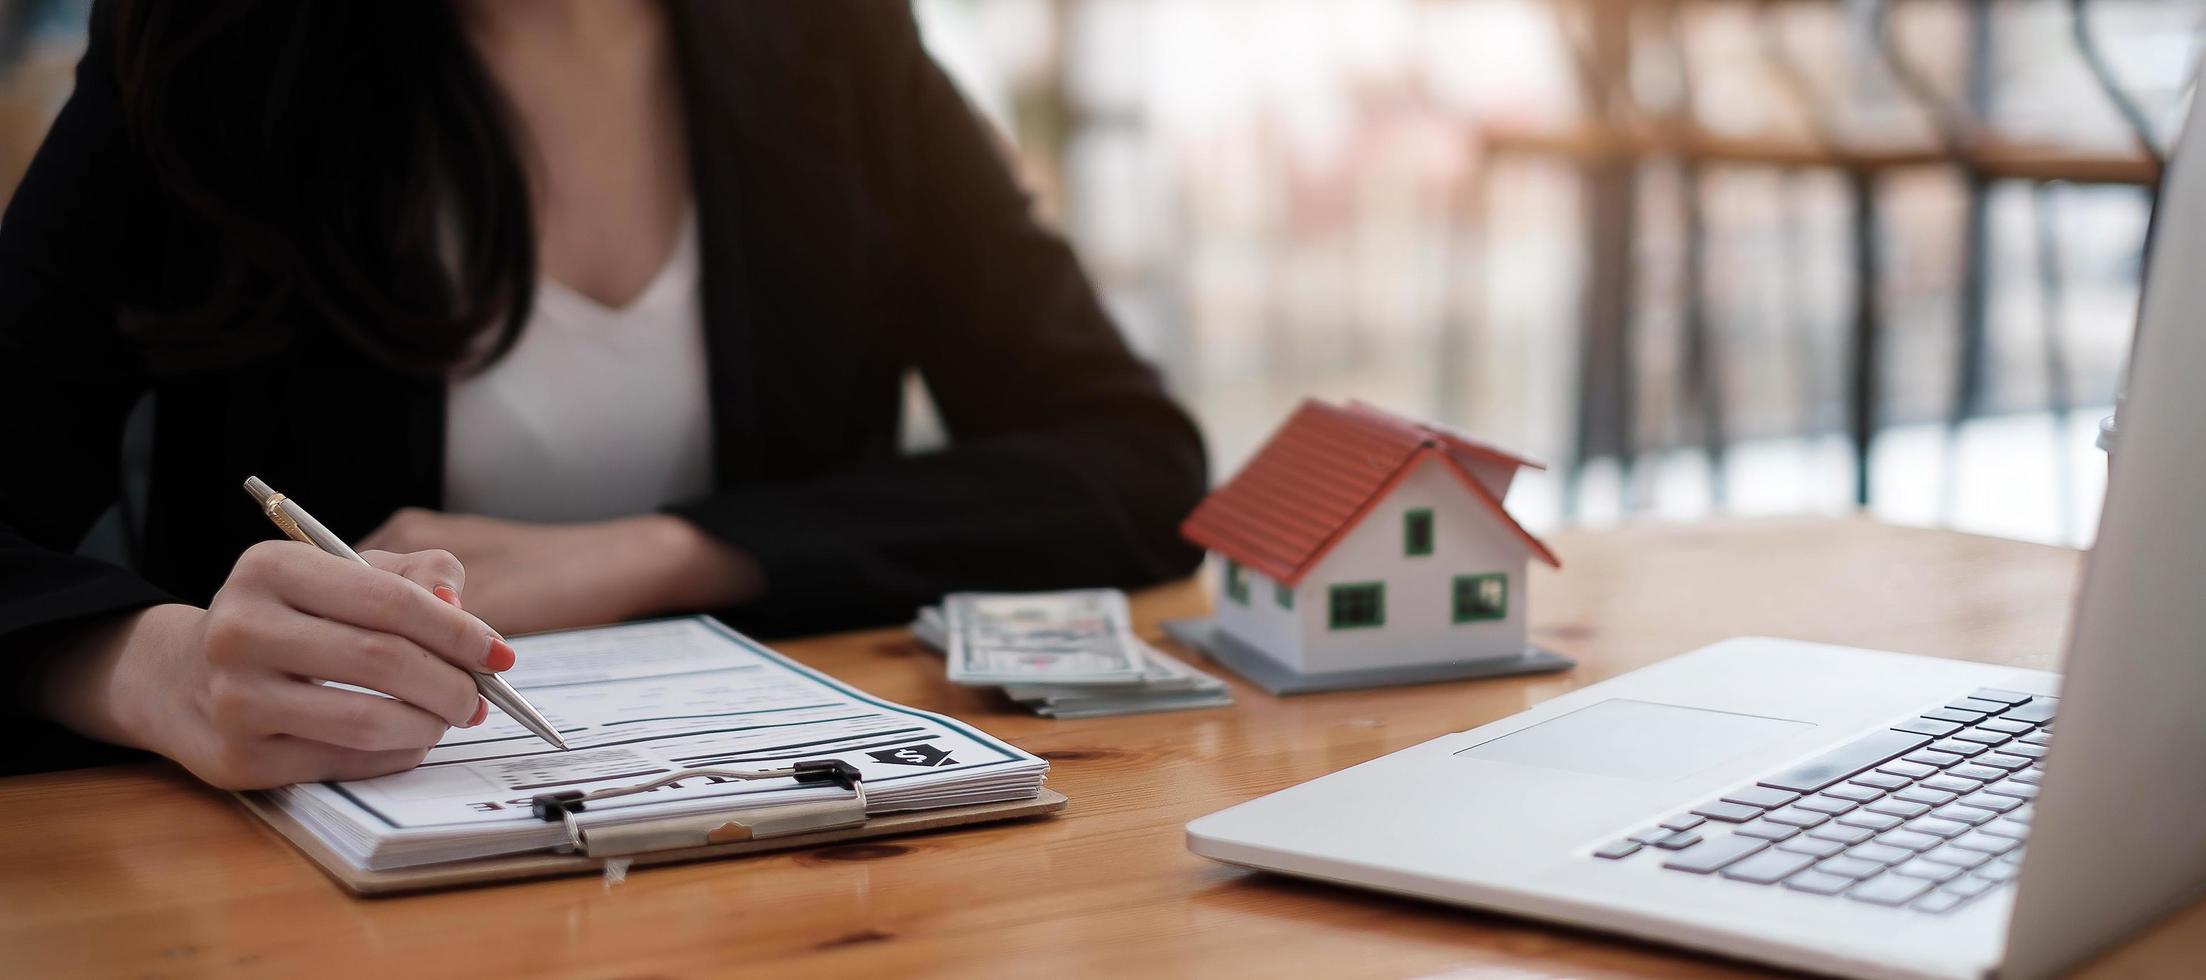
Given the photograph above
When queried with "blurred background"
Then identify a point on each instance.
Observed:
(1716, 257)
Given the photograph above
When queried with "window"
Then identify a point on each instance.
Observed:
(1417, 532)
(1237, 582)
(1481, 597)
(1357, 605)
(1285, 596)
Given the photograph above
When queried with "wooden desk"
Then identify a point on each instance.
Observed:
(136, 871)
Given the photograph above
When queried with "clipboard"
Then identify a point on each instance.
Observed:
(690, 838)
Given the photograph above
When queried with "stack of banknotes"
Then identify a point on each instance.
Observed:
(1062, 654)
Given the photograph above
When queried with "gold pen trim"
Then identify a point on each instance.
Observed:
(289, 527)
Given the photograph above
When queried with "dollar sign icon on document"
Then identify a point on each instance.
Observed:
(925, 756)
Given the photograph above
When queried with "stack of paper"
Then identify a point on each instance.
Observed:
(639, 702)
(1063, 654)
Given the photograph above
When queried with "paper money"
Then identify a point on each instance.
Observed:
(1081, 637)
(1160, 674)
(1165, 684)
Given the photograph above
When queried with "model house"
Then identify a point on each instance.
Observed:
(1357, 541)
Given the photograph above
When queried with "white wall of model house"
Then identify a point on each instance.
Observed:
(1420, 626)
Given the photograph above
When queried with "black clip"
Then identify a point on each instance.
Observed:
(551, 807)
(835, 771)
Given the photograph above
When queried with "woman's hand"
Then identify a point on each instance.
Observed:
(229, 691)
(530, 577)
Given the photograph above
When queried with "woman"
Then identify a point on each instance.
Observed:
(574, 310)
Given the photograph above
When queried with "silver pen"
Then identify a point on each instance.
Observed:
(301, 526)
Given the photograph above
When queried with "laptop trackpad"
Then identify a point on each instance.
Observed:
(1636, 740)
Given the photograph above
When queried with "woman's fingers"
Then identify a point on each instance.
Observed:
(438, 571)
(373, 599)
(304, 646)
(332, 716)
(281, 760)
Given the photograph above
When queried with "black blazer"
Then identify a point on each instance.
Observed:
(857, 222)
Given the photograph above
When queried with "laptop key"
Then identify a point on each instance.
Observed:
(2008, 724)
(1978, 706)
(2037, 712)
(2028, 777)
(2001, 696)
(1889, 890)
(1958, 747)
(1970, 886)
(1970, 770)
(1870, 821)
(1929, 870)
(1989, 801)
(1958, 857)
(1815, 847)
(2036, 738)
(1617, 849)
(2025, 751)
(1937, 902)
(1850, 867)
(1826, 804)
(1760, 797)
(1937, 827)
(1999, 871)
(1932, 758)
(2009, 829)
(1842, 833)
(1880, 853)
(1898, 807)
(1818, 883)
(1764, 830)
(1684, 821)
(1970, 815)
(1955, 714)
(1654, 835)
(1921, 793)
(1983, 735)
(1727, 812)
(1884, 781)
(1853, 793)
(1928, 726)
(2009, 787)
(1767, 867)
(1912, 770)
(1709, 857)
(1910, 840)
(1949, 784)
(1793, 816)
(2001, 760)
(1991, 844)
(1846, 760)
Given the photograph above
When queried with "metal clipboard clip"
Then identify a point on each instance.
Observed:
(702, 829)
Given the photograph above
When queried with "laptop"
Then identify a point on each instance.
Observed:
(1838, 810)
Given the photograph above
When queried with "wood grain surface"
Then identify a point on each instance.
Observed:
(136, 871)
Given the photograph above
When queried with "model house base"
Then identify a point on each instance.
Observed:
(1277, 678)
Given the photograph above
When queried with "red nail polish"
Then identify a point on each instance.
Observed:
(501, 656)
(482, 711)
(445, 593)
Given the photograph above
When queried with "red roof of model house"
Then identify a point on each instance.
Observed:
(1327, 467)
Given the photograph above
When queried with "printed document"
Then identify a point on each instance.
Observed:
(639, 702)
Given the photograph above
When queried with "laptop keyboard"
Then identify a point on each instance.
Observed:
(1926, 815)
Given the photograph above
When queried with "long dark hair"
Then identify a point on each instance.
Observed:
(353, 165)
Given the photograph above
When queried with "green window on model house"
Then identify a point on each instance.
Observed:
(1417, 532)
(1356, 605)
(1481, 597)
(1284, 594)
(1237, 582)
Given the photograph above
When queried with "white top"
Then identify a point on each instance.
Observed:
(595, 413)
